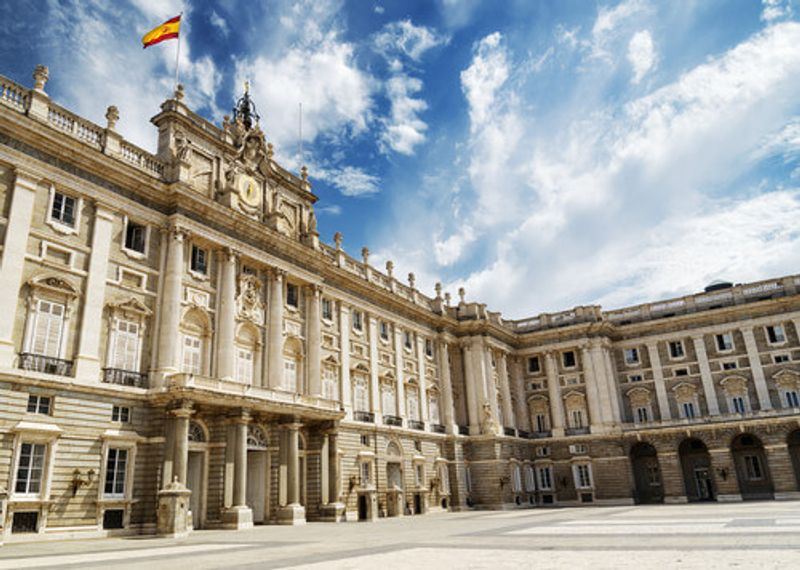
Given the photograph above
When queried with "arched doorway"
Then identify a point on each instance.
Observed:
(257, 471)
(751, 467)
(794, 452)
(646, 474)
(394, 480)
(197, 472)
(697, 476)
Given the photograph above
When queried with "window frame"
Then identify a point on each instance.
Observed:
(327, 309)
(632, 350)
(574, 358)
(357, 320)
(37, 406)
(670, 352)
(57, 224)
(117, 415)
(199, 272)
(538, 368)
(582, 476)
(769, 331)
(292, 296)
(131, 252)
(725, 347)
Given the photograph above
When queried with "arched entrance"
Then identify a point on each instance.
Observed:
(751, 467)
(794, 452)
(257, 470)
(646, 474)
(697, 476)
(394, 480)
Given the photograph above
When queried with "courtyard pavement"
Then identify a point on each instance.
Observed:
(707, 536)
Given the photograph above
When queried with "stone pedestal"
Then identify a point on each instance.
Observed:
(294, 514)
(173, 511)
(332, 512)
(237, 518)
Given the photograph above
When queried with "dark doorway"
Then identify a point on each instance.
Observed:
(752, 470)
(363, 508)
(417, 504)
(649, 488)
(794, 452)
(697, 476)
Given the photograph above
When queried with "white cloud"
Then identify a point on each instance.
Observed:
(641, 55)
(453, 248)
(379, 9)
(219, 22)
(405, 37)
(607, 23)
(350, 180)
(457, 13)
(485, 75)
(332, 209)
(774, 10)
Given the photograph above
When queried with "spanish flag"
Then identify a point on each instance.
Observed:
(166, 31)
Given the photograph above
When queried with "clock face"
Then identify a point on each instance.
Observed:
(249, 191)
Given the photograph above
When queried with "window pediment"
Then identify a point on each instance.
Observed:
(53, 284)
(130, 306)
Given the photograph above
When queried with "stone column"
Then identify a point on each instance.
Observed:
(489, 384)
(333, 510)
(239, 516)
(505, 390)
(447, 409)
(314, 341)
(400, 389)
(705, 375)
(759, 380)
(593, 380)
(169, 332)
(471, 380)
(554, 393)
(423, 381)
(275, 334)
(167, 469)
(346, 384)
(226, 328)
(374, 382)
(180, 421)
(12, 262)
(658, 380)
(87, 362)
(293, 513)
(523, 419)
(612, 384)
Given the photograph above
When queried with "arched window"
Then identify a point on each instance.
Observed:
(256, 438)
(292, 360)
(388, 401)
(540, 414)
(412, 402)
(195, 330)
(196, 433)
(360, 392)
(246, 347)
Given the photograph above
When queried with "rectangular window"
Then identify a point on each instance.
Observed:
(327, 309)
(39, 405)
(63, 210)
(533, 365)
(407, 340)
(292, 295)
(780, 358)
(545, 478)
(244, 366)
(681, 372)
(583, 476)
(135, 235)
(121, 414)
(753, 467)
(676, 349)
(737, 405)
(30, 469)
(791, 398)
(125, 346)
(290, 374)
(542, 451)
(428, 347)
(728, 365)
(724, 342)
(366, 478)
(631, 356)
(530, 481)
(199, 261)
(688, 409)
(330, 384)
(577, 418)
(642, 415)
(47, 330)
(419, 474)
(191, 354)
(775, 334)
(116, 466)
(384, 328)
(541, 423)
(653, 476)
(635, 378)
(568, 359)
(365, 442)
(358, 320)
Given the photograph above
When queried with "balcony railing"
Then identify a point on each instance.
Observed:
(414, 424)
(463, 430)
(523, 433)
(576, 431)
(46, 364)
(541, 434)
(511, 432)
(437, 428)
(125, 377)
(368, 417)
(393, 421)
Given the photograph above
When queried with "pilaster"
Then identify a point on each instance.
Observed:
(756, 369)
(169, 324)
(313, 340)
(705, 375)
(658, 380)
(275, 332)
(227, 315)
(554, 394)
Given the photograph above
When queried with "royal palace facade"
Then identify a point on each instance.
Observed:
(179, 350)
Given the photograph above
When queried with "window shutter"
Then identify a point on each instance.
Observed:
(47, 330)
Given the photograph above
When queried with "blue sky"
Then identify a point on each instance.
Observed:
(541, 154)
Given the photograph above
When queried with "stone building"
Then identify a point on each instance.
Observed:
(178, 349)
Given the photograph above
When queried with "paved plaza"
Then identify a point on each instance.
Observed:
(743, 535)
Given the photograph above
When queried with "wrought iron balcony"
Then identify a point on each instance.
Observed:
(46, 364)
(368, 417)
(414, 424)
(463, 430)
(125, 377)
(393, 421)
(576, 431)
(510, 431)
(523, 433)
(437, 428)
(541, 434)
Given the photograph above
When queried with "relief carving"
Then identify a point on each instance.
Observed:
(249, 305)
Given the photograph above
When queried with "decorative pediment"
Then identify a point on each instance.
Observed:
(639, 396)
(360, 368)
(130, 306)
(734, 383)
(249, 304)
(685, 390)
(537, 398)
(331, 360)
(787, 378)
(53, 284)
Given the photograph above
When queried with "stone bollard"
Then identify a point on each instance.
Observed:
(173, 511)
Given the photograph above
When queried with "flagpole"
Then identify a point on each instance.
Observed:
(178, 55)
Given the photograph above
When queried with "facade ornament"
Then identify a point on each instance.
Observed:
(40, 76)
(249, 305)
(179, 93)
(461, 294)
(226, 123)
(182, 147)
(304, 173)
(365, 255)
(389, 267)
(337, 240)
(447, 299)
(438, 288)
(112, 116)
(412, 280)
(488, 423)
(312, 222)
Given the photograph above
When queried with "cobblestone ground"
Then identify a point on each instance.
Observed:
(743, 535)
